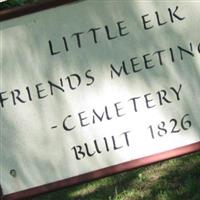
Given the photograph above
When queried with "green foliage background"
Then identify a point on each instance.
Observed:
(14, 3)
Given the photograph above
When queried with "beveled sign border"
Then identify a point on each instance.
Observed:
(28, 9)
(31, 8)
(105, 172)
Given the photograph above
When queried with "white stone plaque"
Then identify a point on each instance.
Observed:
(94, 84)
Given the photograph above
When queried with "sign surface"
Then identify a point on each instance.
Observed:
(96, 85)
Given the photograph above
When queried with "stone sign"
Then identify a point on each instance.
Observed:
(93, 88)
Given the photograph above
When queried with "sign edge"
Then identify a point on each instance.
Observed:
(104, 172)
(32, 8)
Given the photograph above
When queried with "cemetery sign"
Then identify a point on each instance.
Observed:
(92, 88)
